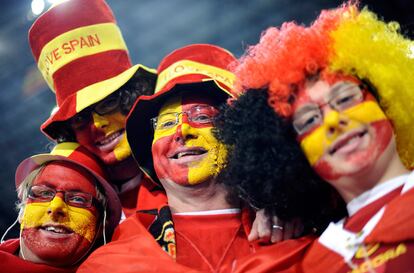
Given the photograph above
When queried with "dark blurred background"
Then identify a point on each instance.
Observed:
(151, 29)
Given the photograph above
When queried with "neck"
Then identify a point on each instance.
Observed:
(201, 197)
(123, 171)
(386, 168)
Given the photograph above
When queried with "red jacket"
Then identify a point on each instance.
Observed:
(12, 263)
(388, 247)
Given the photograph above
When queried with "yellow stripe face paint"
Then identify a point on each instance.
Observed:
(79, 220)
(318, 142)
(186, 153)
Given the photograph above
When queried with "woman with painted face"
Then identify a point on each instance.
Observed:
(339, 90)
(82, 56)
(66, 209)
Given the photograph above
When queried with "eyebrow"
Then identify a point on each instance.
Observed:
(304, 109)
(337, 88)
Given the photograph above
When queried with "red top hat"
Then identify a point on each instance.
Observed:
(81, 54)
(76, 154)
(193, 68)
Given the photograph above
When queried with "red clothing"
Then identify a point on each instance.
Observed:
(134, 251)
(280, 257)
(11, 263)
(133, 248)
(207, 242)
(129, 191)
(379, 237)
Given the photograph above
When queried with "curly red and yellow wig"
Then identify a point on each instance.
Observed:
(342, 41)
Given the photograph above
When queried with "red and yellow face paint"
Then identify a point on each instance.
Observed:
(55, 232)
(187, 153)
(348, 141)
(105, 137)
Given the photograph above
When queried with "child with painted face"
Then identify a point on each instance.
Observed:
(344, 85)
(171, 137)
(67, 209)
(82, 55)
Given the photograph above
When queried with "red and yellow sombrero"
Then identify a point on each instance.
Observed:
(193, 68)
(82, 55)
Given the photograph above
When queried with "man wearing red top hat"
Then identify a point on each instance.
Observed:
(67, 209)
(170, 134)
(82, 56)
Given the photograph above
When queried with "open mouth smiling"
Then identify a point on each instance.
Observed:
(56, 229)
(188, 152)
(108, 142)
(348, 142)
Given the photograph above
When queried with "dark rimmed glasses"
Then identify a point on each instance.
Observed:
(107, 106)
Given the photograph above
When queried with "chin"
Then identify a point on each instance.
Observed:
(111, 159)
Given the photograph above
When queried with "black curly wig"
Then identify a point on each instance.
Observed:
(266, 167)
(142, 83)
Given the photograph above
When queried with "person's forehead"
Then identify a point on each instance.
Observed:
(182, 101)
(66, 176)
(321, 91)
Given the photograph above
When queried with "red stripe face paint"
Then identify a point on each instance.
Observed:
(104, 136)
(345, 142)
(55, 232)
(186, 153)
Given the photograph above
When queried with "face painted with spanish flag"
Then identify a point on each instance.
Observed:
(56, 232)
(104, 135)
(184, 149)
(341, 128)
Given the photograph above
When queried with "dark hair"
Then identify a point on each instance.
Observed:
(266, 167)
(141, 83)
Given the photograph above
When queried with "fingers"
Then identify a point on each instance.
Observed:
(277, 230)
(254, 234)
(261, 228)
(288, 230)
(298, 228)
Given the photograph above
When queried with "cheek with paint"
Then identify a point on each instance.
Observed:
(79, 225)
(80, 220)
(165, 144)
(122, 150)
(109, 125)
(317, 143)
(116, 123)
(212, 162)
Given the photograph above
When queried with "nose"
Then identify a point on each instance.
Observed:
(183, 132)
(99, 121)
(334, 121)
(57, 208)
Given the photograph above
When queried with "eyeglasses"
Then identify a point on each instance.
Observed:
(311, 116)
(196, 115)
(72, 198)
(107, 106)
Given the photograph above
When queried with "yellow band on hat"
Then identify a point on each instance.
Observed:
(78, 43)
(64, 149)
(186, 67)
(98, 91)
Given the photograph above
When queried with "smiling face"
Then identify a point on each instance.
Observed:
(103, 135)
(341, 128)
(187, 153)
(56, 232)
